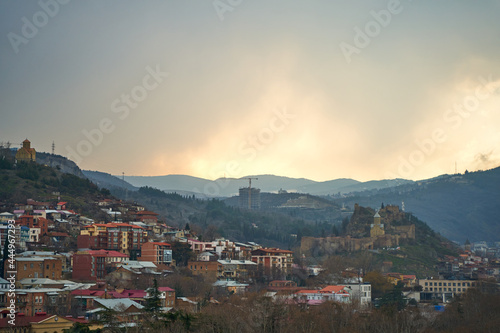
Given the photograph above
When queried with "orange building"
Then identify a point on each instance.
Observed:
(213, 269)
(37, 267)
(159, 253)
(273, 258)
(34, 222)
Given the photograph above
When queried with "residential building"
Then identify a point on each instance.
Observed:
(207, 268)
(273, 258)
(93, 265)
(159, 253)
(37, 267)
(40, 322)
(329, 293)
(34, 222)
(122, 237)
(362, 292)
(237, 269)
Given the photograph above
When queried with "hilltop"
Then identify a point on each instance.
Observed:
(459, 207)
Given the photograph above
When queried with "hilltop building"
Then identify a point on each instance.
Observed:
(26, 153)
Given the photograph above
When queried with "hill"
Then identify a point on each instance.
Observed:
(108, 181)
(227, 187)
(45, 184)
(460, 207)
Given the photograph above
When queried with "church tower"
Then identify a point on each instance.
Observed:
(377, 229)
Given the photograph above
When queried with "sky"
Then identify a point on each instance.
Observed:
(315, 89)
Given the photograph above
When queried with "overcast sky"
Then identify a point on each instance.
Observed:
(314, 89)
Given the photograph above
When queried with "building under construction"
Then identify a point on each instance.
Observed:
(249, 198)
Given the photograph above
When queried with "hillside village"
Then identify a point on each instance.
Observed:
(72, 268)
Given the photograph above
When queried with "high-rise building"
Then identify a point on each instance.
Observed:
(249, 198)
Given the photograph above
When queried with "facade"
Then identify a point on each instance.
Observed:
(443, 290)
(377, 229)
(237, 269)
(453, 286)
(207, 268)
(34, 222)
(249, 198)
(159, 253)
(38, 267)
(329, 293)
(123, 237)
(93, 265)
(26, 153)
(273, 259)
(361, 292)
(167, 296)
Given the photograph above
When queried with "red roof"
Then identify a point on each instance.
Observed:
(77, 320)
(128, 294)
(332, 289)
(22, 320)
(165, 289)
(87, 292)
(107, 253)
(307, 291)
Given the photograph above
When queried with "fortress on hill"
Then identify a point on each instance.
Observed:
(365, 231)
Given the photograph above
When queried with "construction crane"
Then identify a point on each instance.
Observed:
(250, 190)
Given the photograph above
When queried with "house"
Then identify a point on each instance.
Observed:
(6, 216)
(282, 285)
(232, 287)
(329, 293)
(212, 269)
(237, 269)
(34, 222)
(41, 322)
(167, 296)
(128, 311)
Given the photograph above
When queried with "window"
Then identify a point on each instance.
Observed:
(25, 266)
(31, 265)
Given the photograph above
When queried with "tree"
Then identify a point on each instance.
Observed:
(394, 298)
(380, 284)
(153, 302)
(181, 253)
